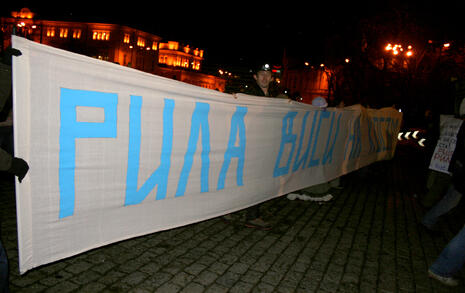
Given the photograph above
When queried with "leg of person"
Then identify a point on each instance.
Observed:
(253, 213)
(448, 202)
(253, 219)
(450, 261)
(437, 185)
(4, 286)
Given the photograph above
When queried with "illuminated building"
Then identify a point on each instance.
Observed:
(114, 43)
(172, 54)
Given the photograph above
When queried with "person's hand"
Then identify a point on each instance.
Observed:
(19, 167)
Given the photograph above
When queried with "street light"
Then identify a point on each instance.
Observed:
(397, 48)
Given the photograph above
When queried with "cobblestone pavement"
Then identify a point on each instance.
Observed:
(367, 239)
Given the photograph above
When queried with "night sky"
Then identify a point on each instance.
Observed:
(239, 34)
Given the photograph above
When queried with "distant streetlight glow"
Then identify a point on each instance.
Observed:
(396, 49)
(347, 60)
(446, 45)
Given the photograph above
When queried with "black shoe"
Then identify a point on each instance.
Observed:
(258, 223)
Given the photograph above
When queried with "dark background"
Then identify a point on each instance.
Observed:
(240, 33)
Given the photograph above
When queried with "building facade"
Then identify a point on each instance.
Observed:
(113, 43)
(307, 83)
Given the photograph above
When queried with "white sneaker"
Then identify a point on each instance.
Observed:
(448, 281)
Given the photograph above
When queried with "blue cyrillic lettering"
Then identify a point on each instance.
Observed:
(160, 175)
(199, 122)
(286, 137)
(70, 129)
(232, 151)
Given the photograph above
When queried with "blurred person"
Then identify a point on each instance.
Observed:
(456, 186)
(325, 187)
(8, 163)
(452, 257)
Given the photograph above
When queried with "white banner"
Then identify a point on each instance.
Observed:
(116, 153)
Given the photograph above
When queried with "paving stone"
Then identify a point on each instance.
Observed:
(252, 277)
(263, 288)
(92, 287)
(192, 288)
(134, 278)
(228, 279)
(182, 279)
(241, 287)
(206, 278)
(195, 268)
(238, 268)
(62, 287)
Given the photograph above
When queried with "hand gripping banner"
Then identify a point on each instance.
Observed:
(116, 153)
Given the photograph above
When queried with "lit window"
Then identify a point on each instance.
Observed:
(140, 42)
(76, 34)
(51, 32)
(101, 35)
(127, 38)
(63, 32)
(154, 46)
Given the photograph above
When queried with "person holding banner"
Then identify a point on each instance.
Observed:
(8, 162)
(262, 87)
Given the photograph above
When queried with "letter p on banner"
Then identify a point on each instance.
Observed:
(70, 129)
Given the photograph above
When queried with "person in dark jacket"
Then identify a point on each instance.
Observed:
(262, 87)
(8, 163)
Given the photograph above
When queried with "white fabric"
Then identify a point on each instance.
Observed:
(98, 135)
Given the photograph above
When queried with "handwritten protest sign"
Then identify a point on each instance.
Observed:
(445, 146)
